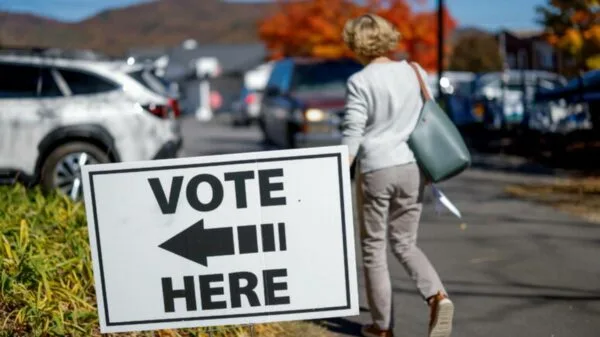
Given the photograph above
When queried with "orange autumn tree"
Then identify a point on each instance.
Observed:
(313, 28)
(573, 26)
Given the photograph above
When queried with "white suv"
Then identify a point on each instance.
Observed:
(58, 114)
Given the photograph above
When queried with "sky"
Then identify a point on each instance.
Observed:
(489, 14)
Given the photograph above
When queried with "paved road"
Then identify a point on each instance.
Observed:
(517, 269)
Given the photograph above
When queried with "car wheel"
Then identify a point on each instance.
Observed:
(263, 128)
(292, 129)
(236, 122)
(62, 168)
(241, 122)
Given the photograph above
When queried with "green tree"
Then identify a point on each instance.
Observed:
(476, 52)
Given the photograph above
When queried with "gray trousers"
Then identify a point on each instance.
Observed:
(390, 201)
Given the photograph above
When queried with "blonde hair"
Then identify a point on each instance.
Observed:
(370, 36)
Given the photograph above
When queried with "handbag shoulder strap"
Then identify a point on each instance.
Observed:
(424, 91)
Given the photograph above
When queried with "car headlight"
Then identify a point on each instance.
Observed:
(314, 115)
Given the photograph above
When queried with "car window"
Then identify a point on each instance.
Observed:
(281, 75)
(49, 87)
(82, 83)
(277, 76)
(244, 92)
(150, 81)
(324, 77)
(18, 81)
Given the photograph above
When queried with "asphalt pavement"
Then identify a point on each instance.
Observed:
(513, 268)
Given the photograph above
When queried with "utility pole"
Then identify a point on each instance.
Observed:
(440, 33)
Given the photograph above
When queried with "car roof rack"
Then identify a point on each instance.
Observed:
(51, 52)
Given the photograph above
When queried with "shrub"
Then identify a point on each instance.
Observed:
(46, 278)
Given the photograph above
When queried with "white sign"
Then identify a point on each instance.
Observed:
(220, 240)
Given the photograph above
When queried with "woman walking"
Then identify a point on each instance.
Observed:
(382, 106)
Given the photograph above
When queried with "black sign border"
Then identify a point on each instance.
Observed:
(338, 156)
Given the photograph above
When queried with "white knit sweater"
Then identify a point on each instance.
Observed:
(383, 102)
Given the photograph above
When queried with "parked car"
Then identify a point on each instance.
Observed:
(247, 108)
(58, 114)
(501, 99)
(304, 101)
(457, 88)
(580, 96)
(451, 82)
(584, 88)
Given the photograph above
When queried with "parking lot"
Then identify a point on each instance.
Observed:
(513, 268)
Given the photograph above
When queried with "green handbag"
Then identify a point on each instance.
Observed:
(438, 146)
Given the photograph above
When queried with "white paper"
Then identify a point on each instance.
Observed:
(442, 201)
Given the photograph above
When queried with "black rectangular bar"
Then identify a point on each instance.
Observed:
(268, 237)
(247, 239)
(282, 242)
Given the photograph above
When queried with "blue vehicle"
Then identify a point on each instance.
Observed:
(581, 95)
(585, 88)
(304, 101)
(503, 100)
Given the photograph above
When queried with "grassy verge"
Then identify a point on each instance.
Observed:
(579, 196)
(46, 279)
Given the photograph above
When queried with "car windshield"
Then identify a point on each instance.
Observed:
(327, 77)
(150, 81)
(463, 88)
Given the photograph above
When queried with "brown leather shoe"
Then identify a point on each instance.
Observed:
(441, 314)
(373, 331)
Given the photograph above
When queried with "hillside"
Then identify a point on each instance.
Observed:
(158, 23)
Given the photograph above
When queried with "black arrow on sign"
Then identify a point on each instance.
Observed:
(196, 243)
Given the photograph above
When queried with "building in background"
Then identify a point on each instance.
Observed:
(180, 68)
(529, 50)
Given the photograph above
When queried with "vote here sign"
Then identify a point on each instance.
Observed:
(220, 240)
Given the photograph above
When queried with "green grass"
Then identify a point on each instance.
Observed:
(46, 278)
